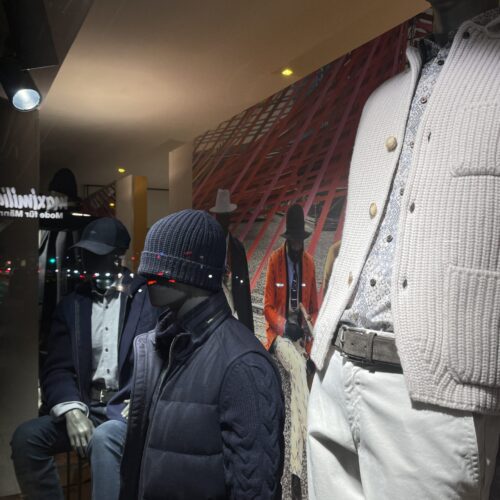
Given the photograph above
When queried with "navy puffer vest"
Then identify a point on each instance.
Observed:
(180, 443)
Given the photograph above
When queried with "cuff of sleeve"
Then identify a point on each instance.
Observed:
(58, 411)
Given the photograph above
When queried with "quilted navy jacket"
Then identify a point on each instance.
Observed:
(207, 413)
(67, 371)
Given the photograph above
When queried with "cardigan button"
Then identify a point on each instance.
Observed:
(391, 143)
(373, 210)
(466, 35)
(350, 279)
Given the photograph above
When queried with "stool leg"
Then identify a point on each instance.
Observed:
(79, 478)
(68, 475)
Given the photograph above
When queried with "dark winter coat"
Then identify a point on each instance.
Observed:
(207, 413)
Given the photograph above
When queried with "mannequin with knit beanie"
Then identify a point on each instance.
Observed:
(207, 414)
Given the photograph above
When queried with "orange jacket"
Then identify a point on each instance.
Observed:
(275, 296)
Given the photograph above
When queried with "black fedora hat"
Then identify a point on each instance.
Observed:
(295, 225)
(104, 235)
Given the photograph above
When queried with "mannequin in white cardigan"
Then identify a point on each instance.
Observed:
(406, 402)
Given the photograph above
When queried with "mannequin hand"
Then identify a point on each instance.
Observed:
(126, 410)
(293, 331)
(80, 430)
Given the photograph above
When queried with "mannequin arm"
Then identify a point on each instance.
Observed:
(252, 421)
(59, 379)
(80, 429)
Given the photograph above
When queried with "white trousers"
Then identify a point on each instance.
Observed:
(292, 358)
(366, 440)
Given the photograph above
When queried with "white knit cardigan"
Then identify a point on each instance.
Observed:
(446, 275)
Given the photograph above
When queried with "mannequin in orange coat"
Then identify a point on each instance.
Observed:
(290, 282)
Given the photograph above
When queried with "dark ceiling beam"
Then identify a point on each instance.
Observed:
(30, 39)
(39, 34)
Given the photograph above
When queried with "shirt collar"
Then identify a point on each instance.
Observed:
(429, 48)
(487, 17)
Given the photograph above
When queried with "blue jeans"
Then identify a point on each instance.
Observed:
(35, 443)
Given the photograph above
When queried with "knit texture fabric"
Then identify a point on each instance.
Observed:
(446, 277)
(188, 246)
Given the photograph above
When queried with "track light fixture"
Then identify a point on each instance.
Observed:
(19, 86)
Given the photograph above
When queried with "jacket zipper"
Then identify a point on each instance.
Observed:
(153, 411)
(133, 389)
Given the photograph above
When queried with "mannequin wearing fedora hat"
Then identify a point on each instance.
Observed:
(236, 281)
(291, 282)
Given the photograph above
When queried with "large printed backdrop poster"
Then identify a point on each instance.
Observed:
(295, 147)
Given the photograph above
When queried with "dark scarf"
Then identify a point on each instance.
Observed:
(167, 328)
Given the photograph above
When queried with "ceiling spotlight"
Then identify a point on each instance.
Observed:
(19, 86)
(112, 205)
(287, 72)
(121, 170)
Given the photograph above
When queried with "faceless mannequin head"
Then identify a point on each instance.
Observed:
(183, 260)
(178, 297)
(104, 241)
(102, 269)
(450, 14)
(224, 219)
(295, 249)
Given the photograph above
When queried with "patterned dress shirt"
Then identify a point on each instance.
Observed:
(105, 321)
(105, 338)
(371, 304)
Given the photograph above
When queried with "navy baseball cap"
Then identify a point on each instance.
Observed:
(104, 235)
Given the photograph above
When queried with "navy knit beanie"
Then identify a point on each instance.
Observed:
(188, 246)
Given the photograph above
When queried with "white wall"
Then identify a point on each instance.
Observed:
(158, 203)
(180, 178)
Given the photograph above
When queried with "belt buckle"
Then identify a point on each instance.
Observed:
(102, 393)
(342, 330)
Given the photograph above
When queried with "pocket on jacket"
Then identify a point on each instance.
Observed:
(472, 330)
(475, 144)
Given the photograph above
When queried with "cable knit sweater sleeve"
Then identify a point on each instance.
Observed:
(252, 421)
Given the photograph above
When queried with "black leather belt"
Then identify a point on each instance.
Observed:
(367, 347)
(102, 396)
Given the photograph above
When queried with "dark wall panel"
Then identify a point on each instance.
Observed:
(19, 168)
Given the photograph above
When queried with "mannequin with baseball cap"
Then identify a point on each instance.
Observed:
(236, 280)
(85, 380)
(207, 414)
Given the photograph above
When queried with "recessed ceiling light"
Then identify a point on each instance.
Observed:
(121, 170)
(112, 205)
(287, 72)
